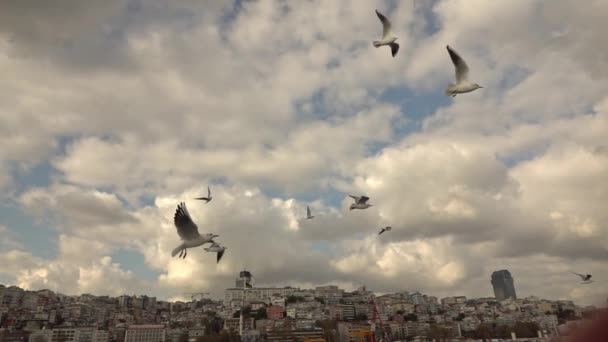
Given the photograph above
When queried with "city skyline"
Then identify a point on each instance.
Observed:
(114, 112)
(259, 314)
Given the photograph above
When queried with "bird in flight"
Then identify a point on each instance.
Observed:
(586, 278)
(387, 35)
(462, 84)
(385, 229)
(308, 214)
(360, 202)
(216, 248)
(206, 199)
(188, 232)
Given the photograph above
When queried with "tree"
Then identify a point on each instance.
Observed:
(483, 332)
(439, 333)
(224, 336)
(410, 317)
(526, 329)
(294, 299)
(320, 300)
(329, 327)
(564, 315)
(361, 317)
(183, 337)
(260, 314)
(460, 317)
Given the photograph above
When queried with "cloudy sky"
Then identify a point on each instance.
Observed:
(112, 112)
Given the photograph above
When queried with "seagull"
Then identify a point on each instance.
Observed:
(387, 38)
(217, 249)
(385, 229)
(586, 278)
(308, 214)
(206, 199)
(360, 202)
(188, 232)
(462, 73)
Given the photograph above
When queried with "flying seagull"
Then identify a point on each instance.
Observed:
(217, 249)
(586, 278)
(360, 202)
(308, 214)
(462, 84)
(385, 229)
(188, 232)
(387, 35)
(206, 199)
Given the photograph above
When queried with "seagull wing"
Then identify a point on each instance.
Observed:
(356, 198)
(382, 231)
(394, 49)
(580, 275)
(386, 25)
(186, 228)
(462, 69)
(363, 199)
(208, 192)
(220, 254)
(307, 211)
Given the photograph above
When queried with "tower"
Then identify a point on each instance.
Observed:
(502, 282)
(245, 280)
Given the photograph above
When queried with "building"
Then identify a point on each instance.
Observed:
(195, 332)
(245, 280)
(348, 311)
(41, 336)
(145, 333)
(11, 296)
(502, 282)
(233, 324)
(331, 294)
(275, 312)
(256, 294)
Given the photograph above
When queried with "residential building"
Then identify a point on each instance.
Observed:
(233, 324)
(145, 333)
(275, 312)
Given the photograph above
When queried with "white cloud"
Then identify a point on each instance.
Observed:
(286, 99)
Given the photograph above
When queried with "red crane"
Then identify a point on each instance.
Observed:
(385, 334)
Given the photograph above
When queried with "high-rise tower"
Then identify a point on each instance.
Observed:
(502, 282)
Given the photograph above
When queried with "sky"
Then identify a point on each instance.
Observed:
(113, 112)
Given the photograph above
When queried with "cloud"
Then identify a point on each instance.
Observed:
(139, 105)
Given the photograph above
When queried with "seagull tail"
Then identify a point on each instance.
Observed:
(376, 43)
(448, 90)
(176, 250)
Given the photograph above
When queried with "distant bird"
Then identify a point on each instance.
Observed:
(206, 199)
(216, 248)
(387, 35)
(308, 214)
(188, 232)
(360, 202)
(586, 278)
(385, 229)
(462, 84)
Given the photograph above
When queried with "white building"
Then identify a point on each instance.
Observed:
(256, 294)
(145, 333)
(41, 336)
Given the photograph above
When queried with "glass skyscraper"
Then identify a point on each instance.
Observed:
(502, 282)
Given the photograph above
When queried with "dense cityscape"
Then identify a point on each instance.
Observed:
(325, 313)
